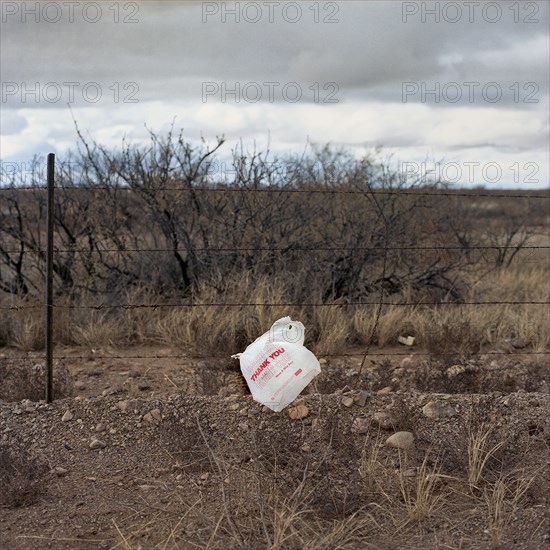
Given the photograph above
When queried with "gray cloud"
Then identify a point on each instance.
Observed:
(170, 51)
(156, 68)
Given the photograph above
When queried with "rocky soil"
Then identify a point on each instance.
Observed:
(174, 453)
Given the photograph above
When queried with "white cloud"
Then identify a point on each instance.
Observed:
(170, 53)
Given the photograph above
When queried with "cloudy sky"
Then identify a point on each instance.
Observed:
(461, 85)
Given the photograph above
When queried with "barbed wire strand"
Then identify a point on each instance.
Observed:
(289, 248)
(412, 353)
(282, 304)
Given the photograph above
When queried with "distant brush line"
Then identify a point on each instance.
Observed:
(287, 190)
(283, 249)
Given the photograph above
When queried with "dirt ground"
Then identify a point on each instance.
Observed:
(172, 452)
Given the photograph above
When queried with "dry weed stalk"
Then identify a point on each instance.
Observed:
(369, 465)
(422, 497)
(480, 451)
(502, 499)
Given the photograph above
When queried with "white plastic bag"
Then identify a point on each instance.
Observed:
(277, 366)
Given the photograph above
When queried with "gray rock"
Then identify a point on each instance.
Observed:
(94, 372)
(518, 343)
(153, 416)
(97, 444)
(298, 412)
(58, 471)
(361, 398)
(113, 390)
(360, 426)
(401, 440)
(347, 401)
(384, 420)
(436, 409)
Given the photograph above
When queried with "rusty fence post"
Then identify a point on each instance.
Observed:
(49, 281)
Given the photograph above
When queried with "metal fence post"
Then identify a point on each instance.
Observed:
(49, 281)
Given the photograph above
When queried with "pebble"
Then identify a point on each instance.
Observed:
(129, 404)
(347, 401)
(384, 420)
(384, 391)
(94, 372)
(79, 385)
(67, 416)
(298, 412)
(97, 444)
(518, 343)
(58, 471)
(27, 405)
(101, 427)
(306, 447)
(361, 398)
(143, 386)
(360, 426)
(436, 409)
(401, 440)
(153, 416)
(113, 390)
(244, 426)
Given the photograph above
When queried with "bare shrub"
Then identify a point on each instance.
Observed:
(22, 476)
(22, 380)
(154, 227)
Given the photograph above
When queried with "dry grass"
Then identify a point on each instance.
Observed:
(423, 497)
(481, 450)
(502, 500)
(369, 465)
(459, 331)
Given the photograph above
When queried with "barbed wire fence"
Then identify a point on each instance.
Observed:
(50, 307)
